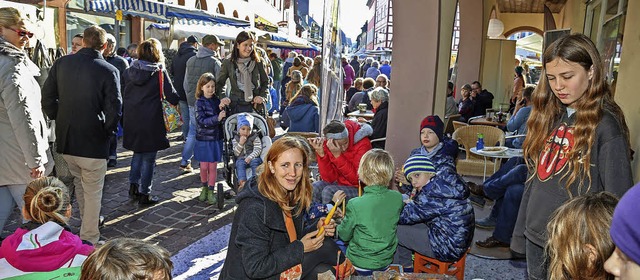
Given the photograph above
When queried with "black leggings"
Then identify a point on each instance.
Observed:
(321, 260)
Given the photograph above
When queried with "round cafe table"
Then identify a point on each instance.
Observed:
(368, 114)
(484, 121)
(509, 153)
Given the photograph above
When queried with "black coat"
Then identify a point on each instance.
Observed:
(143, 120)
(82, 94)
(379, 125)
(179, 66)
(259, 245)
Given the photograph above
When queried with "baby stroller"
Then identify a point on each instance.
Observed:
(260, 127)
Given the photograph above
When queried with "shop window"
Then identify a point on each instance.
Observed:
(78, 22)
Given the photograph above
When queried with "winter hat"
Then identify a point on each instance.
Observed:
(192, 39)
(245, 120)
(417, 163)
(296, 76)
(625, 229)
(434, 123)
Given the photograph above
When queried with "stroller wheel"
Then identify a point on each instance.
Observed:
(220, 193)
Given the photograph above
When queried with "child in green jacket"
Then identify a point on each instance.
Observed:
(370, 222)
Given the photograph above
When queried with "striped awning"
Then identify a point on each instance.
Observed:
(161, 11)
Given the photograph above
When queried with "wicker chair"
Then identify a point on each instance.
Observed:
(458, 124)
(473, 165)
(448, 123)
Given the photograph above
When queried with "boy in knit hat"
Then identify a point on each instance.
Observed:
(624, 263)
(438, 221)
(247, 147)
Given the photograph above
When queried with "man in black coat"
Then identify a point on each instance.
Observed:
(177, 69)
(482, 99)
(82, 94)
(121, 64)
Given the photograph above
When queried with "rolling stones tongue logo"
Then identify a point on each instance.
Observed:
(554, 155)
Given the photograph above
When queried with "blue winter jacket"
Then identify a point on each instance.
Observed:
(444, 207)
(208, 128)
(302, 116)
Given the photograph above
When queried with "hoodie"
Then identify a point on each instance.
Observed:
(143, 118)
(302, 115)
(546, 189)
(43, 248)
(179, 66)
(344, 169)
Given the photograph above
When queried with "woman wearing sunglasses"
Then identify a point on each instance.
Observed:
(23, 132)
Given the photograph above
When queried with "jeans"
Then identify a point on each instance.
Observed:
(514, 171)
(241, 167)
(184, 113)
(187, 150)
(113, 145)
(142, 165)
(323, 191)
(88, 178)
(507, 212)
(10, 196)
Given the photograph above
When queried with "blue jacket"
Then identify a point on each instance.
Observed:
(275, 100)
(445, 209)
(208, 128)
(302, 116)
(386, 69)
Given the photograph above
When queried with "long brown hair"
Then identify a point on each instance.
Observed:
(581, 221)
(243, 36)
(204, 79)
(308, 90)
(315, 74)
(268, 184)
(548, 109)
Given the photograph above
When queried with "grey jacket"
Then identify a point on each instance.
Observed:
(204, 61)
(23, 130)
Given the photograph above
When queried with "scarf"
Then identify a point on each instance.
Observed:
(245, 67)
(423, 150)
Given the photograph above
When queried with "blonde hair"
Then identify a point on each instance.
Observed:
(10, 16)
(308, 90)
(376, 168)
(128, 259)
(47, 200)
(204, 79)
(150, 50)
(358, 83)
(581, 221)
(268, 184)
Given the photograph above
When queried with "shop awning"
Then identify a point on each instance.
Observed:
(161, 11)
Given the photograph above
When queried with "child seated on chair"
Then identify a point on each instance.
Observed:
(370, 221)
(247, 147)
(44, 248)
(438, 221)
(441, 150)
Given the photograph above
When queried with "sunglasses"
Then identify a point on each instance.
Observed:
(21, 33)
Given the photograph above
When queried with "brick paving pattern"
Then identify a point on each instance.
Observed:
(177, 221)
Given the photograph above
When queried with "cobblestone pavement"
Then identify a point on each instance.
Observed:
(177, 221)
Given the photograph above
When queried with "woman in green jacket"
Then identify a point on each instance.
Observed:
(246, 71)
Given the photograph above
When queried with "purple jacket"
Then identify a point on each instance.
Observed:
(349, 74)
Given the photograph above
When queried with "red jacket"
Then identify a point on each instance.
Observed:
(344, 169)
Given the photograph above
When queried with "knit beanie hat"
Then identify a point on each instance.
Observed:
(417, 163)
(625, 228)
(245, 120)
(434, 123)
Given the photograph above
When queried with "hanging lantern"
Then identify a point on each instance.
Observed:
(496, 27)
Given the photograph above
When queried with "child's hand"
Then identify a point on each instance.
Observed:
(335, 149)
(362, 120)
(329, 229)
(310, 242)
(338, 197)
(243, 139)
(247, 160)
(222, 115)
(400, 177)
(224, 102)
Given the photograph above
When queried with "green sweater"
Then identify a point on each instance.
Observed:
(370, 227)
